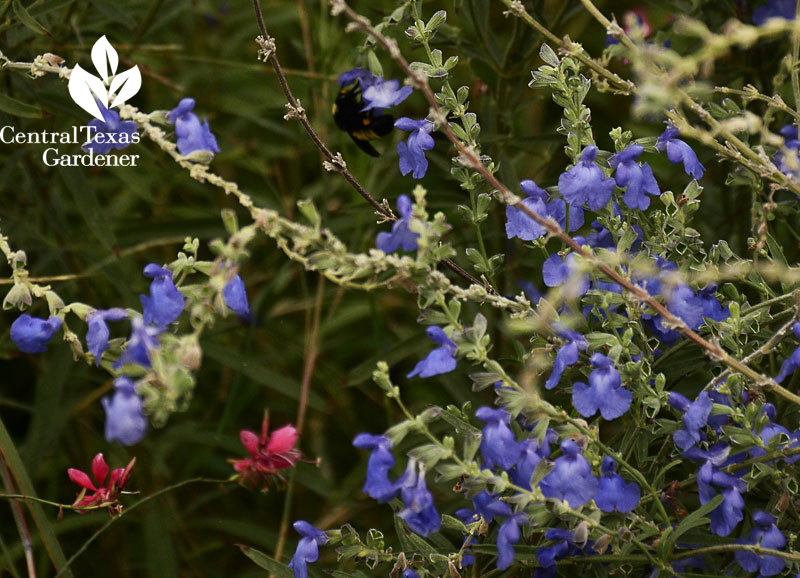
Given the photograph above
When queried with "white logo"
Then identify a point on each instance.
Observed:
(86, 89)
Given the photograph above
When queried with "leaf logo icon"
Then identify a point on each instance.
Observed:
(90, 92)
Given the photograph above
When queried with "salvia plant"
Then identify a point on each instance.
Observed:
(627, 375)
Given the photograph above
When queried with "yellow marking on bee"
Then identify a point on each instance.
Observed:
(335, 108)
(365, 135)
(366, 120)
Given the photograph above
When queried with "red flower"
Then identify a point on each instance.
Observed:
(103, 495)
(269, 454)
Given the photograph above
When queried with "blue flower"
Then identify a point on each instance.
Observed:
(767, 534)
(774, 9)
(487, 506)
(126, 423)
(726, 516)
(191, 134)
(695, 418)
(531, 455)
(412, 154)
(498, 445)
(97, 335)
(638, 178)
(507, 536)
(557, 272)
(792, 145)
(235, 297)
(680, 152)
(364, 77)
(614, 492)
(562, 544)
(116, 134)
(567, 354)
(520, 225)
(711, 305)
(571, 479)
(790, 364)
(769, 431)
(401, 236)
(31, 334)
(409, 573)
(585, 182)
(307, 548)
(420, 512)
(378, 485)
(165, 303)
(682, 302)
(604, 392)
(384, 94)
(141, 342)
(440, 360)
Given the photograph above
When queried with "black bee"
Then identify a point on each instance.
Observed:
(362, 126)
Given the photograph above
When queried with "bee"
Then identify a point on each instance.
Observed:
(362, 126)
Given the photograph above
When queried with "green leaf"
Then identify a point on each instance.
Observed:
(691, 521)
(15, 107)
(28, 20)
(85, 197)
(265, 562)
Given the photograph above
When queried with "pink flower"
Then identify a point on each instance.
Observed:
(269, 454)
(103, 495)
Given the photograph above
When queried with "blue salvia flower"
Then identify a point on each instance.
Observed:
(126, 423)
(769, 431)
(571, 479)
(791, 363)
(682, 302)
(557, 273)
(409, 573)
(165, 302)
(384, 94)
(785, 9)
(694, 419)
(614, 492)
(235, 297)
(378, 485)
(116, 133)
(567, 354)
(142, 341)
(586, 183)
(98, 333)
(412, 153)
(400, 237)
(420, 512)
(638, 179)
(725, 517)
(364, 77)
(507, 536)
(440, 360)
(31, 334)
(498, 445)
(307, 548)
(767, 534)
(486, 506)
(547, 555)
(192, 135)
(680, 152)
(712, 308)
(604, 392)
(531, 455)
(788, 165)
(520, 225)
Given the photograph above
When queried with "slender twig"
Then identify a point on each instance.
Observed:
(19, 519)
(472, 159)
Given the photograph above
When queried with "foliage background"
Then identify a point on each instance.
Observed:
(103, 225)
